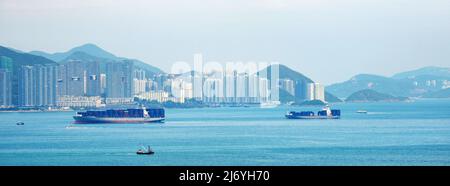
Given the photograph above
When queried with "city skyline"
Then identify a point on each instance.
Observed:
(84, 77)
(94, 82)
(311, 37)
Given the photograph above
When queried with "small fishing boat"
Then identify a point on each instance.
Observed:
(270, 104)
(145, 151)
(20, 123)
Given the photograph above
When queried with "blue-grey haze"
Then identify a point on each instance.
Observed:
(329, 41)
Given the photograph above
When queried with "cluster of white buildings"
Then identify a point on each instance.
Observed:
(159, 96)
(231, 88)
(315, 91)
(79, 101)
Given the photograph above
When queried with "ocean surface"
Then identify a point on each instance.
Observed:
(407, 133)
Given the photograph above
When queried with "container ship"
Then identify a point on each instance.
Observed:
(141, 115)
(325, 113)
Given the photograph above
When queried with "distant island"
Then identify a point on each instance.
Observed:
(416, 83)
(330, 98)
(310, 103)
(369, 95)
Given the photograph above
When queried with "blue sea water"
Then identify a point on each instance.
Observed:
(407, 133)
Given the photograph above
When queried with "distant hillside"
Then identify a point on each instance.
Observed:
(444, 93)
(330, 98)
(427, 71)
(367, 81)
(286, 97)
(406, 84)
(287, 73)
(15, 50)
(90, 49)
(311, 103)
(19, 58)
(83, 56)
(95, 51)
(369, 95)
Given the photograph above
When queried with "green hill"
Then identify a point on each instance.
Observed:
(413, 83)
(287, 73)
(330, 98)
(368, 81)
(90, 52)
(431, 70)
(20, 59)
(369, 95)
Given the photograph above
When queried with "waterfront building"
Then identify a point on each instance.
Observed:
(230, 87)
(288, 86)
(188, 90)
(119, 101)
(139, 81)
(79, 78)
(5, 88)
(253, 88)
(6, 70)
(79, 101)
(212, 90)
(264, 90)
(92, 79)
(177, 88)
(151, 85)
(167, 85)
(26, 87)
(315, 91)
(158, 79)
(37, 85)
(139, 74)
(159, 96)
(71, 78)
(309, 89)
(319, 92)
(49, 89)
(102, 83)
(119, 80)
(140, 86)
(197, 85)
(242, 88)
(181, 89)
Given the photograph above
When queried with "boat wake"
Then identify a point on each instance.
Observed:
(71, 127)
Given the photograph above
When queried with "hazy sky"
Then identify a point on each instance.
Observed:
(327, 40)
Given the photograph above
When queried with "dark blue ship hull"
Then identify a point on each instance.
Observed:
(331, 114)
(121, 116)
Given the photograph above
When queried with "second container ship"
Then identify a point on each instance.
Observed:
(325, 113)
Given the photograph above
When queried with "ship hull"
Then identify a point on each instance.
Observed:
(93, 120)
(312, 117)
